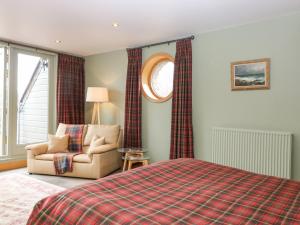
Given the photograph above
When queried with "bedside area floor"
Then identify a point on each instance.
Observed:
(65, 182)
(20, 191)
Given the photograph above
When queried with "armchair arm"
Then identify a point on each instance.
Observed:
(102, 149)
(38, 149)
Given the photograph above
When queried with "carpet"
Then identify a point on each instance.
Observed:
(18, 195)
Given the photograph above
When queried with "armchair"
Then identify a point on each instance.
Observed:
(96, 163)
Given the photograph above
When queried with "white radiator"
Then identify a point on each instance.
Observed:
(263, 152)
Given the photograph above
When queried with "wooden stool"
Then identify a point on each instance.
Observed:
(137, 159)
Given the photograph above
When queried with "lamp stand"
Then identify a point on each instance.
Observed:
(96, 113)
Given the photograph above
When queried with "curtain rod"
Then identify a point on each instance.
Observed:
(35, 47)
(164, 42)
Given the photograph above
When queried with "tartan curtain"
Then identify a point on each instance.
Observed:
(70, 90)
(182, 128)
(133, 100)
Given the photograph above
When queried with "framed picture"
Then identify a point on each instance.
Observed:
(250, 75)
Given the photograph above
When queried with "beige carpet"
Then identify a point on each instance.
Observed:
(65, 182)
(18, 195)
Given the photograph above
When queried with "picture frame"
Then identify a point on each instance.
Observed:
(250, 74)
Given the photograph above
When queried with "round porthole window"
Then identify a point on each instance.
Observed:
(157, 77)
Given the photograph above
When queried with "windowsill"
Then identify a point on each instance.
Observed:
(12, 163)
(4, 159)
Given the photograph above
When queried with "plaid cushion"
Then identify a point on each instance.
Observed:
(182, 191)
(75, 141)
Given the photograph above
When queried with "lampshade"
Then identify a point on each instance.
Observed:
(97, 94)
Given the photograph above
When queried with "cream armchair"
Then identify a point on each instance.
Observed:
(99, 162)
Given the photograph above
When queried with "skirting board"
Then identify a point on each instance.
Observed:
(13, 165)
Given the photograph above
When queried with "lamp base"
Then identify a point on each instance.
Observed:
(96, 113)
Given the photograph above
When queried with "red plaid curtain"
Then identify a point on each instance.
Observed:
(182, 128)
(70, 90)
(133, 100)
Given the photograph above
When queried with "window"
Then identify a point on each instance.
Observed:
(32, 92)
(27, 98)
(157, 77)
(30, 98)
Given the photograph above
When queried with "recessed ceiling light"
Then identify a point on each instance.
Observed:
(115, 24)
(58, 41)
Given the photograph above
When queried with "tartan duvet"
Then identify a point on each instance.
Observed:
(181, 191)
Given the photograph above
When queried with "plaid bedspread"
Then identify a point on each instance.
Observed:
(183, 191)
(63, 162)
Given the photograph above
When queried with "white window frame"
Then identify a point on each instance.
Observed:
(14, 150)
(3, 148)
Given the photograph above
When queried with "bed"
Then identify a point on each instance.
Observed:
(182, 191)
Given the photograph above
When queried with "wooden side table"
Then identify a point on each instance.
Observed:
(137, 159)
(131, 152)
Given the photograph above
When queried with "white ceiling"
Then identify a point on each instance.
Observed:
(85, 26)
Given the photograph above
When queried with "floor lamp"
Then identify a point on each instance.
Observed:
(96, 95)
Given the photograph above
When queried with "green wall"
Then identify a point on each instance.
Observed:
(214, 104)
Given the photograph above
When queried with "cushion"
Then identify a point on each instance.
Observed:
(58, 144)
(109, 132)
(62, 127)
(96, 142)
(81, 158)
(47, 157)
(101, 149)
(76, 133)
(85, 149)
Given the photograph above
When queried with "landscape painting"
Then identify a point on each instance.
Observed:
(250, 75)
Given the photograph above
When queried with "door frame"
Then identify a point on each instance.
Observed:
(3, 147)
(17, 150)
